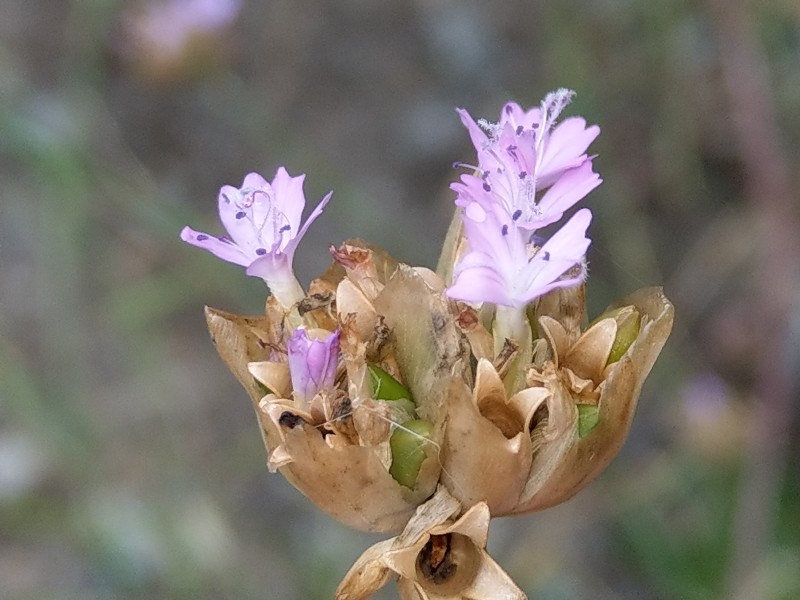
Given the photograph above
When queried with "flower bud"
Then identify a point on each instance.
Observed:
(312, 363)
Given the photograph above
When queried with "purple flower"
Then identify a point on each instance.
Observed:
(312, 363)
(524, 154)
(263, 224)
(504, 267)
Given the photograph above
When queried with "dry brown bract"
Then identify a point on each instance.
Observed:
(439, 556)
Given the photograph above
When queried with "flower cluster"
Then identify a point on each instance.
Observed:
(530, 170)
(399, 399)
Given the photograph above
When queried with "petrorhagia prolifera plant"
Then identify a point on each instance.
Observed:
(422, 403)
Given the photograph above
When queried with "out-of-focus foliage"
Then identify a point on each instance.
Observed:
(130, 462)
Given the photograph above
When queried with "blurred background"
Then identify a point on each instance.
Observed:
(130, 461)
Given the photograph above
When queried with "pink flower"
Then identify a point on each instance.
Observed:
(516, 190)
(524, 154)
(263, 224)
(504, 267)
(530, 171)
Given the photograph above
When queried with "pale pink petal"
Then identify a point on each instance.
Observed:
(569, 189)
(221, 248)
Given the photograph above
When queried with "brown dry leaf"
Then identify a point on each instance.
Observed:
(346, 481)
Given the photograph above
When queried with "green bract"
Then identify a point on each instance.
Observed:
(628, 323)
(408, 450)
(588, 417)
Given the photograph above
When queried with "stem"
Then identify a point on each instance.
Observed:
(287, 292)
(512, 323)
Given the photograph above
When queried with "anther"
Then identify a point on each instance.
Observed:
(537, 240)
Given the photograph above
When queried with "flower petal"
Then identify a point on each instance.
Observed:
(219, 247)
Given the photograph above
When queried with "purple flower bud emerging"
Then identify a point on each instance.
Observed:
(312, 363)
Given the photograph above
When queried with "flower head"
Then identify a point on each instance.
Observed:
(530, 171)
(312, 363)
(263, 224)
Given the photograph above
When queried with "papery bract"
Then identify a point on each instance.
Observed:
(436, 557)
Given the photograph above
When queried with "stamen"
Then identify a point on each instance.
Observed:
(261, 251)
(201, 237)
(462, 165)
(517, 214)
(504, 230)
